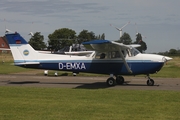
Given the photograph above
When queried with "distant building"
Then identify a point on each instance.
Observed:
(4, 45)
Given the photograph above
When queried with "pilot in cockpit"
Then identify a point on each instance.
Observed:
(102, 56)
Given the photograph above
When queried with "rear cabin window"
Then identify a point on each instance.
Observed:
(108, 55)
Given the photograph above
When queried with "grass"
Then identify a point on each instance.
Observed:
(82, 104)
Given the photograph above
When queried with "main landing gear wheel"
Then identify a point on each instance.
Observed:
(150, 82)
(110, 81)
(119, 80)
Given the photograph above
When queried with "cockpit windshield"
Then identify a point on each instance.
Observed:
(133, 52)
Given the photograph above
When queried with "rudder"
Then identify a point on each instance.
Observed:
(22, 52)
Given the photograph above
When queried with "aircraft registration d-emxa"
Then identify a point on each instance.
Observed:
(107, 57)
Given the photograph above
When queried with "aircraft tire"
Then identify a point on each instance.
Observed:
(110, 82)
(150, 82)
(119, 80)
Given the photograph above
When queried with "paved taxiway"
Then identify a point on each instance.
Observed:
(87, 82)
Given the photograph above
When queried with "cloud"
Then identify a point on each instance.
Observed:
(144, 11)
(49, 7)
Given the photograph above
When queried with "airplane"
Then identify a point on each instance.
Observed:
(107, 57)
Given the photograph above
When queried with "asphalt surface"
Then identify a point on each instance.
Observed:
(77, 82)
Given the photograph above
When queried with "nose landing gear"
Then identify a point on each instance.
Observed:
(150, 82)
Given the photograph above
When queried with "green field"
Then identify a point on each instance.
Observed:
(82, 104)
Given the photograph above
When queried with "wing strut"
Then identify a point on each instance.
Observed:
(127, 67)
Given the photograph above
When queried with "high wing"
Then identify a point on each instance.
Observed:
(106, 45)
(99, 47)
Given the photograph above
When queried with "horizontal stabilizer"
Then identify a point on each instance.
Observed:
(28, 63)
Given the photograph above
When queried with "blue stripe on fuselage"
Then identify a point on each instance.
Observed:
(97, 66)
(87, 61)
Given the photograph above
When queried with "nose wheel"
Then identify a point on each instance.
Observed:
(150, 82)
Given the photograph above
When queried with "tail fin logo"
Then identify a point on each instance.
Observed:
(17, 39)
(26, 52)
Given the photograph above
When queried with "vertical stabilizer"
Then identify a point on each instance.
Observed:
(22, 52)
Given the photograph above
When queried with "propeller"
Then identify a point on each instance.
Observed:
(120, 29)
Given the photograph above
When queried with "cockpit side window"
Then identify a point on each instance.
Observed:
(107, 55)
(115, 54)
(110, 54)
(101, 55)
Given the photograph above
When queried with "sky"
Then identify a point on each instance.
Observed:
(158, 20)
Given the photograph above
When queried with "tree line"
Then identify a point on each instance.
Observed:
(66, 37)
(61, 38)
(171, 52)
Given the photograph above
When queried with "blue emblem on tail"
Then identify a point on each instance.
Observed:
(26, 52)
